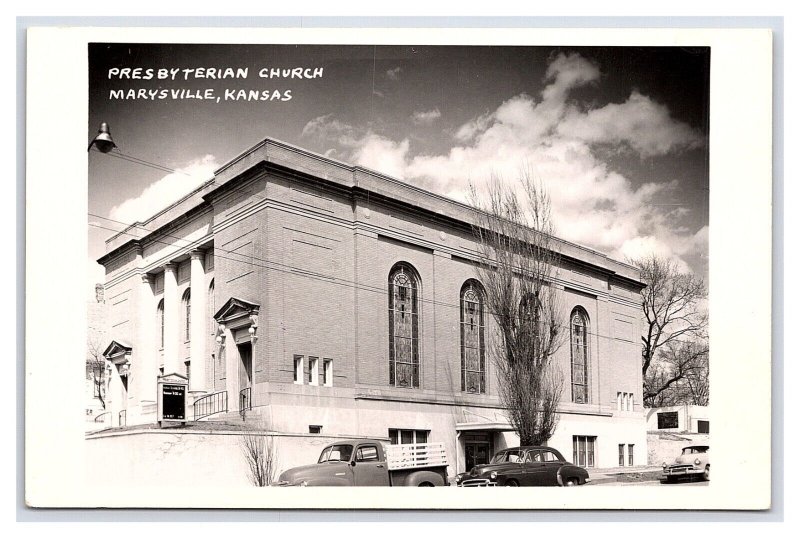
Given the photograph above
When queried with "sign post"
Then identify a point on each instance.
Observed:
(172, 392)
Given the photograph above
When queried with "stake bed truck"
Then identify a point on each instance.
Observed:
(369, 462)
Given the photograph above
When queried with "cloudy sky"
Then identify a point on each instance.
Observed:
(619, 136)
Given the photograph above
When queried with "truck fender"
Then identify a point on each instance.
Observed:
(424, 478)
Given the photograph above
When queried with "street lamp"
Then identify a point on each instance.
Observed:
(102, 140)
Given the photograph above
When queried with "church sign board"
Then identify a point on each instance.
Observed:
(172, 391)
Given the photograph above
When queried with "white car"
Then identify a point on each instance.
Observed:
(693, 461)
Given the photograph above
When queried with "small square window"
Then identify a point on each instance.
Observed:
(314, 428)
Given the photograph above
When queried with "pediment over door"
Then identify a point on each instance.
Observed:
(118, 352)
(237, 311)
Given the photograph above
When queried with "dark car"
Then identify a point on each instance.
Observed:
(525, 466)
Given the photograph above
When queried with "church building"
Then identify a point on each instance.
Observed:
(326, 299)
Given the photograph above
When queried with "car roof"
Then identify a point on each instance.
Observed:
(354, 441)
(696, 446)
(526, 448)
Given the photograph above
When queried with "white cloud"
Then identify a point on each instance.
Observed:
(644, 125)
(426, 117)
(165, 191)
(592, 205)
(466, 132)
(393, 74)
(383, 155)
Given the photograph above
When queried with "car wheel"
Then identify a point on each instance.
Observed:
(707, 473)
(571, 482)
(512, 483)
(425, 485)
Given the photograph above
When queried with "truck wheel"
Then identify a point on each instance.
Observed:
(424, 479)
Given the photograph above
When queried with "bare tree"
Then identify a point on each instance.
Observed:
(679, 376)
(696, 384)
(515, 234)
(259, 453)
(96, 370)
(674, 344)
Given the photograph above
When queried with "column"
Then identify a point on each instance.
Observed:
(172, 317)
(145, 350)
(199, 323)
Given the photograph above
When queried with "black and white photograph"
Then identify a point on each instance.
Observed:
(466, 265)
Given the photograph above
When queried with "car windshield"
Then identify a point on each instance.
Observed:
(336, 453)
(695, 450)
(507, 456)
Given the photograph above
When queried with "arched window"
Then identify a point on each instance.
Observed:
(160, 321)
(579, 349)
(403, 327)
(187, 314)
(473, 365)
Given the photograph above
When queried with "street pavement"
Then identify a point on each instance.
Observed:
(635, 476)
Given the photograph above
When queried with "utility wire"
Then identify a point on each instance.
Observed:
(298, 271)
(290, 269)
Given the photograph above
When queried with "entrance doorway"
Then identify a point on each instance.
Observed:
(477, 450)
(245, 375)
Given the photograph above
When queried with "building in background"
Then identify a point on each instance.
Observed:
(95, 382)
(328, 299)
(679, 419)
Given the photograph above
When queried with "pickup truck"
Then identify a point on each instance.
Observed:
(369, 462)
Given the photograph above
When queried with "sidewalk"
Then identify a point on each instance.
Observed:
(639, 473)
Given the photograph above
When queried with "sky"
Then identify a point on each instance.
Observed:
(617, 135)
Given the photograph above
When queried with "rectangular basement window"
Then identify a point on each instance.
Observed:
(313, 428)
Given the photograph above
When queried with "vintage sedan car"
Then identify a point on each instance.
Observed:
(525, 466)
(693, 462)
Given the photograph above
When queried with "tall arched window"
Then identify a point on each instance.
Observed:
(473, 365)
(187, 314)
(403, 327)
(160, 321)
(579, 349)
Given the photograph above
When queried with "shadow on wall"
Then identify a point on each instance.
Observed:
(665, 447)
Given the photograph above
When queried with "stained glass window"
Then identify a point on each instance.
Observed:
(473, 367)
(579, 351)
(403, 328)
